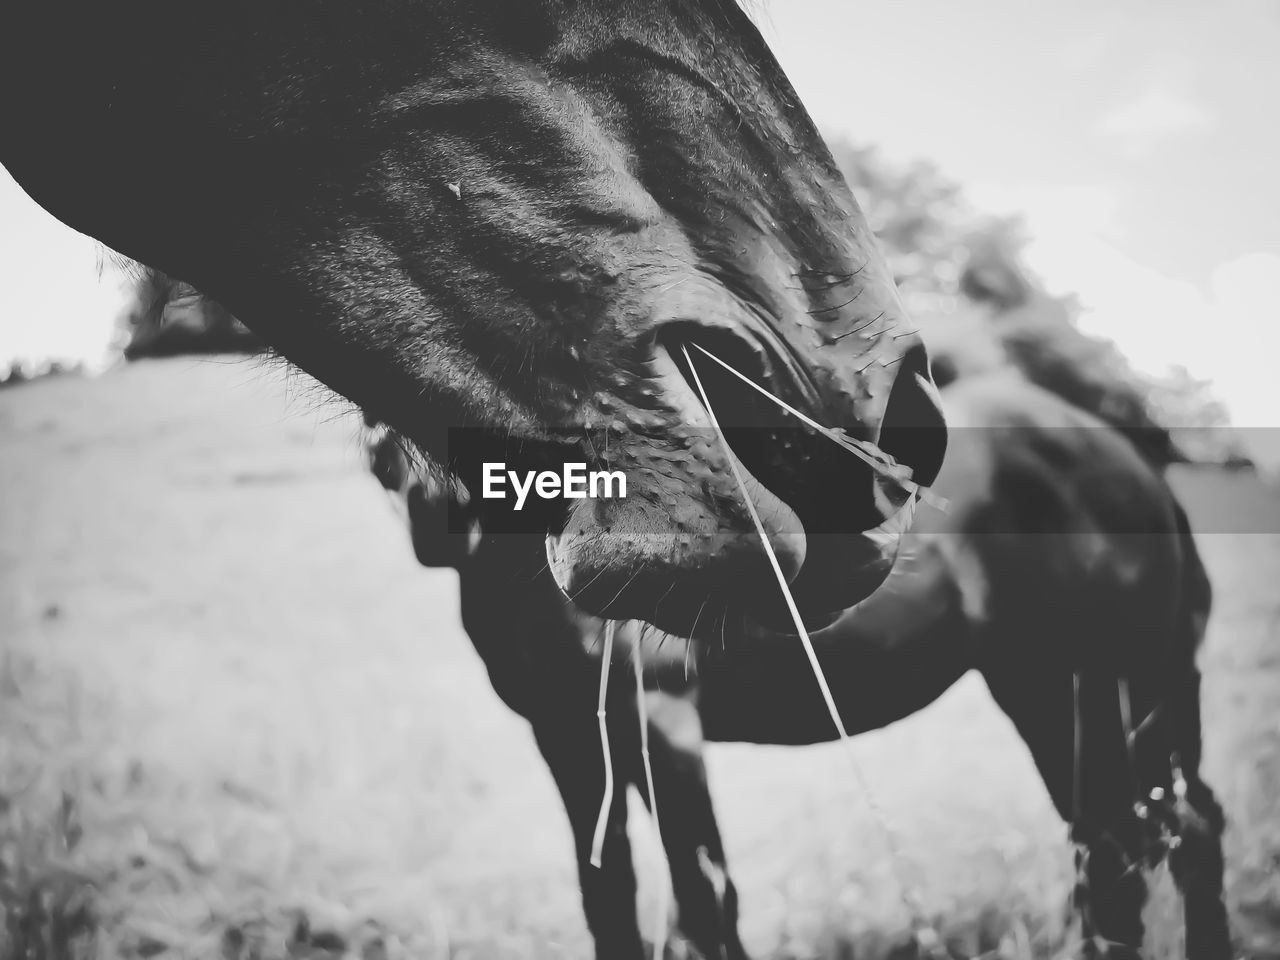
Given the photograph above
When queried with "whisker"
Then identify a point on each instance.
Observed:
(697, 617)
(839, 306)
(600, 573)
(630, 580)
(862, 326)
(666, 593)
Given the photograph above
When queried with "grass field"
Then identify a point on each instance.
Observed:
(237, 719)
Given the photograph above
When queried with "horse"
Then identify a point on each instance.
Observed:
(1064, 572)
(508, 217)
(513, 217)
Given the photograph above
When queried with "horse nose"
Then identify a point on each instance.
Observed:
(913, 430)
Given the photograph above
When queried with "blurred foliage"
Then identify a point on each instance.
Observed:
(1203, 426)
(962, 278)
(21, 372)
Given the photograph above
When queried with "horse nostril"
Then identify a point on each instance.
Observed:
(913, 430)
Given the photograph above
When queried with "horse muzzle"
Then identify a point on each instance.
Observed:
(683, 551)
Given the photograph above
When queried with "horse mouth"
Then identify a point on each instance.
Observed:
(727, 464)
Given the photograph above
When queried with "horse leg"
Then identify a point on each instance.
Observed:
(570, 744)
(706, 899)
(1111, 886)
(1092, 787)
(1166, 760)
(1196, 861)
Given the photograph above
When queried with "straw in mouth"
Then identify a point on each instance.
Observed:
(773, 559)
(606, 803)
(887, 468)
(662, 920)
(925, 935)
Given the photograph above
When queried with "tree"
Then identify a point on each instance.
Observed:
(929, 231)
(962, 278)
(1198, 420)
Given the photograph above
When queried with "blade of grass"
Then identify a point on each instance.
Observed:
(606, 802)
(661, 922)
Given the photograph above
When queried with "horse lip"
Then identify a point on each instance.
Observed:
(887, 538)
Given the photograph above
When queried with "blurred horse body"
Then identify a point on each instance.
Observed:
(1064, 572)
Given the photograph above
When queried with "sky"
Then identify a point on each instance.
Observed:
(55, 303)
(1137, 137)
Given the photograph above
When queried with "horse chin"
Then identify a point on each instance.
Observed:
(712, 588)
(855, 584)
(731, 623)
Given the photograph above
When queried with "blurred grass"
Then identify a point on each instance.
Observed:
(237, 720)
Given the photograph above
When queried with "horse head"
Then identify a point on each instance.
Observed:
(520, 217)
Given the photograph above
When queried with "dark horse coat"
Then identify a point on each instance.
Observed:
(1064, 571)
